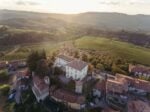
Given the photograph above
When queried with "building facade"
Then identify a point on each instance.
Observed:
(74, 68)
(40, 88)
(77, 70)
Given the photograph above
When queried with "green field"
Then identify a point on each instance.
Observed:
(125, 50)
(24, 50)
(102, 45)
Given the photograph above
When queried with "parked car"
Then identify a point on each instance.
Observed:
(11, 97)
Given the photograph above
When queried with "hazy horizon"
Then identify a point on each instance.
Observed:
(131, 7)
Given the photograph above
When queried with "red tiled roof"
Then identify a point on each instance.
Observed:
(67, 96)
(77, 64)
(140, 84)
(66, 58)
(40, 83)
(116, 86)
(141, 69)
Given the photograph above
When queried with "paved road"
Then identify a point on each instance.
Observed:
(18, 95)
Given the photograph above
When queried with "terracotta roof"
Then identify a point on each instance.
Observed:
(66, 58)
(67, 96)
(42, 86)
(141, 69)
(138, 106)
(77, 64)
(139, 84)
(116, 86)
(23, 73)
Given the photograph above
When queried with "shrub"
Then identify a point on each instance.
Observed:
(3, 75)
(4, 89)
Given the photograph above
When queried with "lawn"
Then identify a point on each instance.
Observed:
(122, 49)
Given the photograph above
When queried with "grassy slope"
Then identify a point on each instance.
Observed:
(116, 48)
(122, 49)
(24, 50)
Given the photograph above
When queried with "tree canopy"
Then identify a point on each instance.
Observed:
(34, 58)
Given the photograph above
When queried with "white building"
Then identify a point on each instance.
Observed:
(74, 68)
(77, 70)
(40, 87)
(62, 61)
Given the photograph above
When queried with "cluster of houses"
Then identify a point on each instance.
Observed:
(109, 86)
(77, 70)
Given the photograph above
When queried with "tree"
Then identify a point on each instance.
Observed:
(43, 54)
(4, 90)
(42, 68)
(76, 54)
(84, 57)
(100, 66)
(71, 85)
(90, 68)
(58, 71)
(116, 69)
(34, 58)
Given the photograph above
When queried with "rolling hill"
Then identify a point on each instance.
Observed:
(115, 48)
(129, 28)
(90, 30)
(105, 21)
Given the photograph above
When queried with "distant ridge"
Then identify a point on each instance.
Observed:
(99, 20)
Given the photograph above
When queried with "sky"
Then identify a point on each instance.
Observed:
(78, 6)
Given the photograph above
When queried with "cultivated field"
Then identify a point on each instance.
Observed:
(125, 50)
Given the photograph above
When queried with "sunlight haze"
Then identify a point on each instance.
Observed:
(78, 6)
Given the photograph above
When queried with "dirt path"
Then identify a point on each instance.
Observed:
(14, 50)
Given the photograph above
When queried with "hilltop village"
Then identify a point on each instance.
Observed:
(69, 84)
